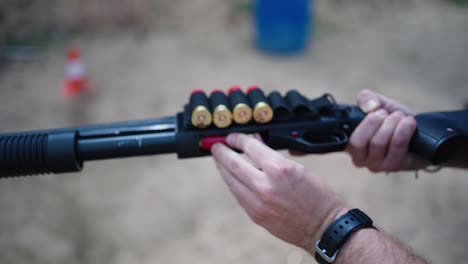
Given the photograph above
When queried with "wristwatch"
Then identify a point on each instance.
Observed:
(338, 232)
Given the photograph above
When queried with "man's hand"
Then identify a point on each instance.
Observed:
(381, 141)
(277, 193)
(294, 205)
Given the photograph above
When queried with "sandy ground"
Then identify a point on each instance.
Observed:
(162, 210)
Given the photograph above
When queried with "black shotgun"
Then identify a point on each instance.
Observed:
(284, 122)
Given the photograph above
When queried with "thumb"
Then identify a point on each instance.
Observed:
(370, 101)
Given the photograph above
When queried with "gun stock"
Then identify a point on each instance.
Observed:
(440, 135)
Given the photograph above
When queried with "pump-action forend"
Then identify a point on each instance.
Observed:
(284, 122)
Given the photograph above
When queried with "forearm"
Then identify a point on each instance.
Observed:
(366, 246)
(372, 246)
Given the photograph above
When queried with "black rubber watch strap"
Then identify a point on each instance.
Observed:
(327, 248)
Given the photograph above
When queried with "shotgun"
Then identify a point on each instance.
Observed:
(289, 121)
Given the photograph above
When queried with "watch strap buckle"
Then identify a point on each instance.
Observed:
(323, 253)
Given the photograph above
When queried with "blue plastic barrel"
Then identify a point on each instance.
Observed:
(282, 26)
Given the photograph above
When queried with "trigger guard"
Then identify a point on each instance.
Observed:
(331, 140)
(325, 143)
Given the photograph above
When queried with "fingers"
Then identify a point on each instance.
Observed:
(381, 141)
(243, 195)
(378, 145)
(399, 144)
(258, 152)
(243, 170)
(361, 137)
(370, 101)
(255, 190)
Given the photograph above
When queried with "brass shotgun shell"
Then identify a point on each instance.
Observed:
(201, 117)
(242, 113)
(200, 113)
(222, 117)
(262, 113)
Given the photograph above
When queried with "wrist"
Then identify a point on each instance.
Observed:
(338, 233)
(339, 211)
(365, 244)
(361, 243)
(330, 216)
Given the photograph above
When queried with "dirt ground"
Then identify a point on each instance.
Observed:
(162, 210)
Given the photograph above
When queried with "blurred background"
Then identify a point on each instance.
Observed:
(142, 59)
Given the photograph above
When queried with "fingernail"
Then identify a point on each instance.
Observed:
(381, 112)
(214, 148)
(370, 105)
(232, 139)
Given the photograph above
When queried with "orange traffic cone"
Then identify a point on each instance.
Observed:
(76, 81)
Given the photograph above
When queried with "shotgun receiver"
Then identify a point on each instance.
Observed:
(284, 122)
